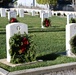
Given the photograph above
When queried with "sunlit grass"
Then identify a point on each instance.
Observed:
(50, 42)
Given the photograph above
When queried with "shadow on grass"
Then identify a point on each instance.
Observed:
(52, 56)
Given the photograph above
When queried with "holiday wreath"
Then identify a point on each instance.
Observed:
(46, 22)
(12, 20)
(21, 48)
(72, 20)
(73, 44)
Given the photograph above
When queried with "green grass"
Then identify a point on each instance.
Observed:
(50, 42)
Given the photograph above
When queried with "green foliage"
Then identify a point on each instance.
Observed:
(72, 20)
(46, 22)
(73, 44)
(2, 46)
(21, 48)
(64, 14)
(52, 2)
(58, 14)
(12, 20)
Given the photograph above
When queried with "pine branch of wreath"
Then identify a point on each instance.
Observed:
(46, 22)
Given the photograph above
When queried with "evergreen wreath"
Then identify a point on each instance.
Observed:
(73, 44)
(22, 48)
(72, 20)
(46, 22)
(12, 20)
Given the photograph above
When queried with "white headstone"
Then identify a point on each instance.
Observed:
(11, 29)
(3, 12)
(70, 32)
(44, 15)
(48, 6)
(49, 13)
(73, 15)
(33, 13)
(41, 12)
(52, 12)
(11, 14)
(21, 13)
(67, 19)
(17, 12)
(69, 16)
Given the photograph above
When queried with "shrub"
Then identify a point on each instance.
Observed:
(58, 14)
(54, 14)
(39, 13)
(46, 22)
(64, 14)
(72, 20)
(73, 44)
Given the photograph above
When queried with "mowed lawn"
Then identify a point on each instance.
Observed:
(50, 42)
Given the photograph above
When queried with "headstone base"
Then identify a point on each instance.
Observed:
(70, 54)
(4, 61)
(42, 26)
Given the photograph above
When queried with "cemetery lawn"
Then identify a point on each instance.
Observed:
(50, 42)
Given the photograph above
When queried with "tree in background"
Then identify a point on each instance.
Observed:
(52, 2)
(6, 3)
(49, 2)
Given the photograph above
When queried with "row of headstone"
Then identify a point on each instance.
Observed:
(48, 12)
(13, 28)
(20, 13)
(12, 13)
